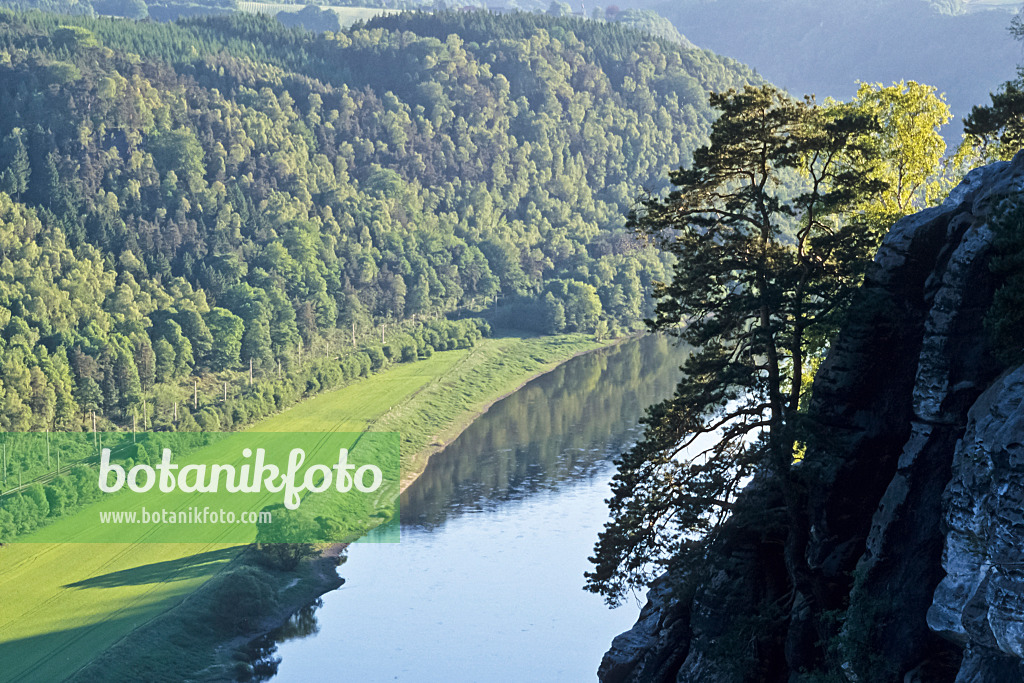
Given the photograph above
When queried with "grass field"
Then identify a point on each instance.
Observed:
(63, 605)
(992, 4)
(355, 407)
(346, 15)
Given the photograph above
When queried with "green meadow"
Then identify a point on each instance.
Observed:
(65, 604)
(346, 15)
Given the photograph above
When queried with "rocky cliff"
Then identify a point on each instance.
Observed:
(906, 562)
(980, 602)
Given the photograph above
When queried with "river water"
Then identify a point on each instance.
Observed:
(486, 583)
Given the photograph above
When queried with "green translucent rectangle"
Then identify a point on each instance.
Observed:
(198, 487)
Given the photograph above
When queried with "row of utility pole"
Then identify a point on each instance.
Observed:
(98, 439)
(48, 459)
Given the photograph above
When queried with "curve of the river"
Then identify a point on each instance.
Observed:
(486, 583)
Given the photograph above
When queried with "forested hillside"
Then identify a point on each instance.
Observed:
(179, 200)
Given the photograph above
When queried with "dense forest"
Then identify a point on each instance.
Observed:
(181, 202)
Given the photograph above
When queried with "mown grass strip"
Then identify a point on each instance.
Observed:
(346, 15)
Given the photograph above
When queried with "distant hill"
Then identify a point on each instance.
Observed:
(825, 47)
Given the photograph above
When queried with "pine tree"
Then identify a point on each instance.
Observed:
(761, 271)
(14, 179)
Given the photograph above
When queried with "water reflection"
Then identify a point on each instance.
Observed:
(262, 652)
(560, 427)
(495, 536)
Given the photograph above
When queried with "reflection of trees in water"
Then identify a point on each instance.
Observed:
(262, 662)
(563, 426)
(301, 624)
(261, 652)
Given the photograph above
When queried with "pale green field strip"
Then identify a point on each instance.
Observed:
(354, 407)
(64, 604)
(346, 15)
(987, 4)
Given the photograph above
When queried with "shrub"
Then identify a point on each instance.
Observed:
(242, 597)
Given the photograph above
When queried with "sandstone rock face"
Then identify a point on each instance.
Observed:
(652, 648)
(980, 602)
(891, 404)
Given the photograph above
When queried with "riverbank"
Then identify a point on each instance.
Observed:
(507, 375)
(450, 389)
(320, 575)
(495, 536)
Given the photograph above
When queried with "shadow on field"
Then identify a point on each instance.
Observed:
(56, 655)
(160, 572)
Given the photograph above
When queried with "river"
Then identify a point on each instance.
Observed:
(486, 583)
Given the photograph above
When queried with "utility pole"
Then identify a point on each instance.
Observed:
(225, 391)
(353, 334)
(133, 426)
(250, 372)
(382, 326)
(195, 394)
(47, 449)
(94, 437)
(175, 412)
